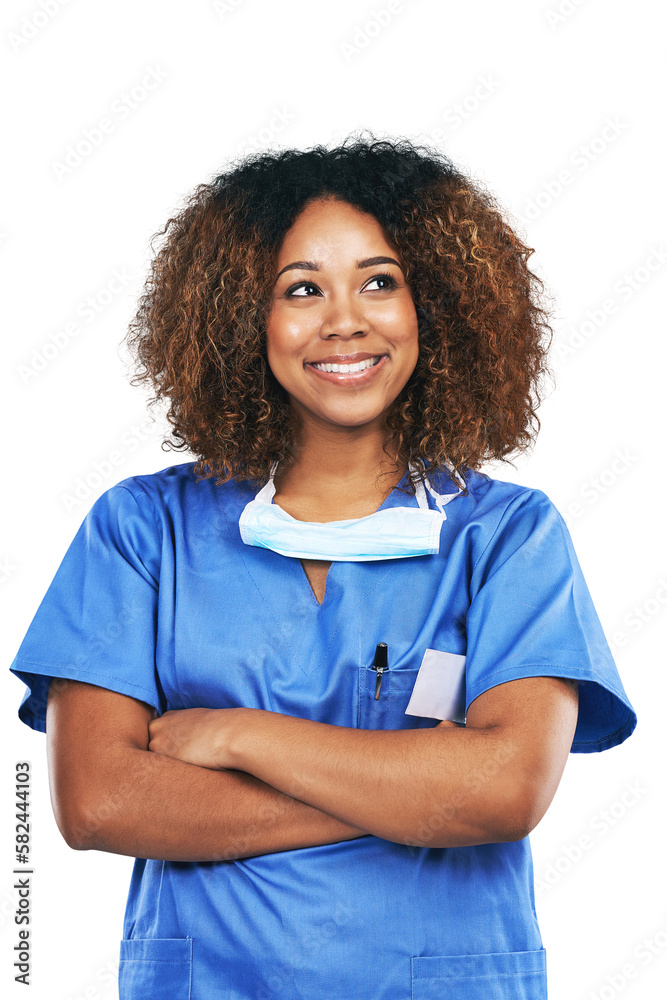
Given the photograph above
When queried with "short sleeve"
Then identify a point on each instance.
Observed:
(97, 621)
(531, 614)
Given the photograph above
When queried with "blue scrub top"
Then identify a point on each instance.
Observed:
(157, 597)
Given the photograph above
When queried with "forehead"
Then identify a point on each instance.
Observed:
(325, 224)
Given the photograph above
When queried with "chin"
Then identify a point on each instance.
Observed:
(344, 420)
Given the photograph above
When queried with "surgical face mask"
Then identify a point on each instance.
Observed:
(392, 533)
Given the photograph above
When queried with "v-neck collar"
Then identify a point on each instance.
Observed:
(396, 498)
(385, 504)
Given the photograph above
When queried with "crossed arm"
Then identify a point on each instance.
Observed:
(209, 785)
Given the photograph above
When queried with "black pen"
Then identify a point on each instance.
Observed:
(379, 664)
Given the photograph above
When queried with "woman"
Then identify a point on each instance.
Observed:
(326, 678)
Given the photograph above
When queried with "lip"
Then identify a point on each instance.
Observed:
(349, 378)
(345, 359)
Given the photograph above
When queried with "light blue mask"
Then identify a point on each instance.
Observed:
(392, 533)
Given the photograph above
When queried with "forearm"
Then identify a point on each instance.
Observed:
(150, 806)
(439, 787)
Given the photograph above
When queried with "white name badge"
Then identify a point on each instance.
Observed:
(440, 689)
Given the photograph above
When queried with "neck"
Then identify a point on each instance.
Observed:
(341, 464)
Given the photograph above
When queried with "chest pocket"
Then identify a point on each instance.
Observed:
(430, 691)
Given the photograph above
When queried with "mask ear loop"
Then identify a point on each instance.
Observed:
(443, 498)
(440, 498)
(420, 492)
(267, 491)
(459, 479)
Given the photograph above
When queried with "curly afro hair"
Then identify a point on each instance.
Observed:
(199, 332)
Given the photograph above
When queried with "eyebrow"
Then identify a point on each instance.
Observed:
(309, 265)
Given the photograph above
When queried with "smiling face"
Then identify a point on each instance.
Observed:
(342, 334)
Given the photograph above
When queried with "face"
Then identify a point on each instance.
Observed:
(342, 332)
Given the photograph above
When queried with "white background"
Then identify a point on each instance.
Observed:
(516, 93)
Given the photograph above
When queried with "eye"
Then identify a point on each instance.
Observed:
(391, 282)
(303, 284)
(384, 277)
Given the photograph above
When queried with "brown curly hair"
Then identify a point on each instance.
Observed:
(199, 330)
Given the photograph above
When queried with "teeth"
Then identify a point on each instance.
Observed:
(359, 367)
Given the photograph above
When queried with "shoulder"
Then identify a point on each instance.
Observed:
(177, 490)
(495, 517)
(162, 485)
(150, 515)
(491, 500)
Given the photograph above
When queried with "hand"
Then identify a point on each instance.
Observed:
(201, 736)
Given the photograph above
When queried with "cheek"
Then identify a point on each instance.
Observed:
(276, 343)
(284, 338)
(407, 333)
(284, 346)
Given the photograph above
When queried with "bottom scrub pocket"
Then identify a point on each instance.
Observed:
(155, 969)
(510, 975)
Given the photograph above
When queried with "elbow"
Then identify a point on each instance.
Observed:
(508, 815)
(83, 824)
(88, 809)
(520, 812)
(72, 829)
(516, 828)
(75, 826)
(74, 839)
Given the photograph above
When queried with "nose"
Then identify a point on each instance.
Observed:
(345, 320)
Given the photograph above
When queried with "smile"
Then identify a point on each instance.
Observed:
(360, 366)
(351, 373)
